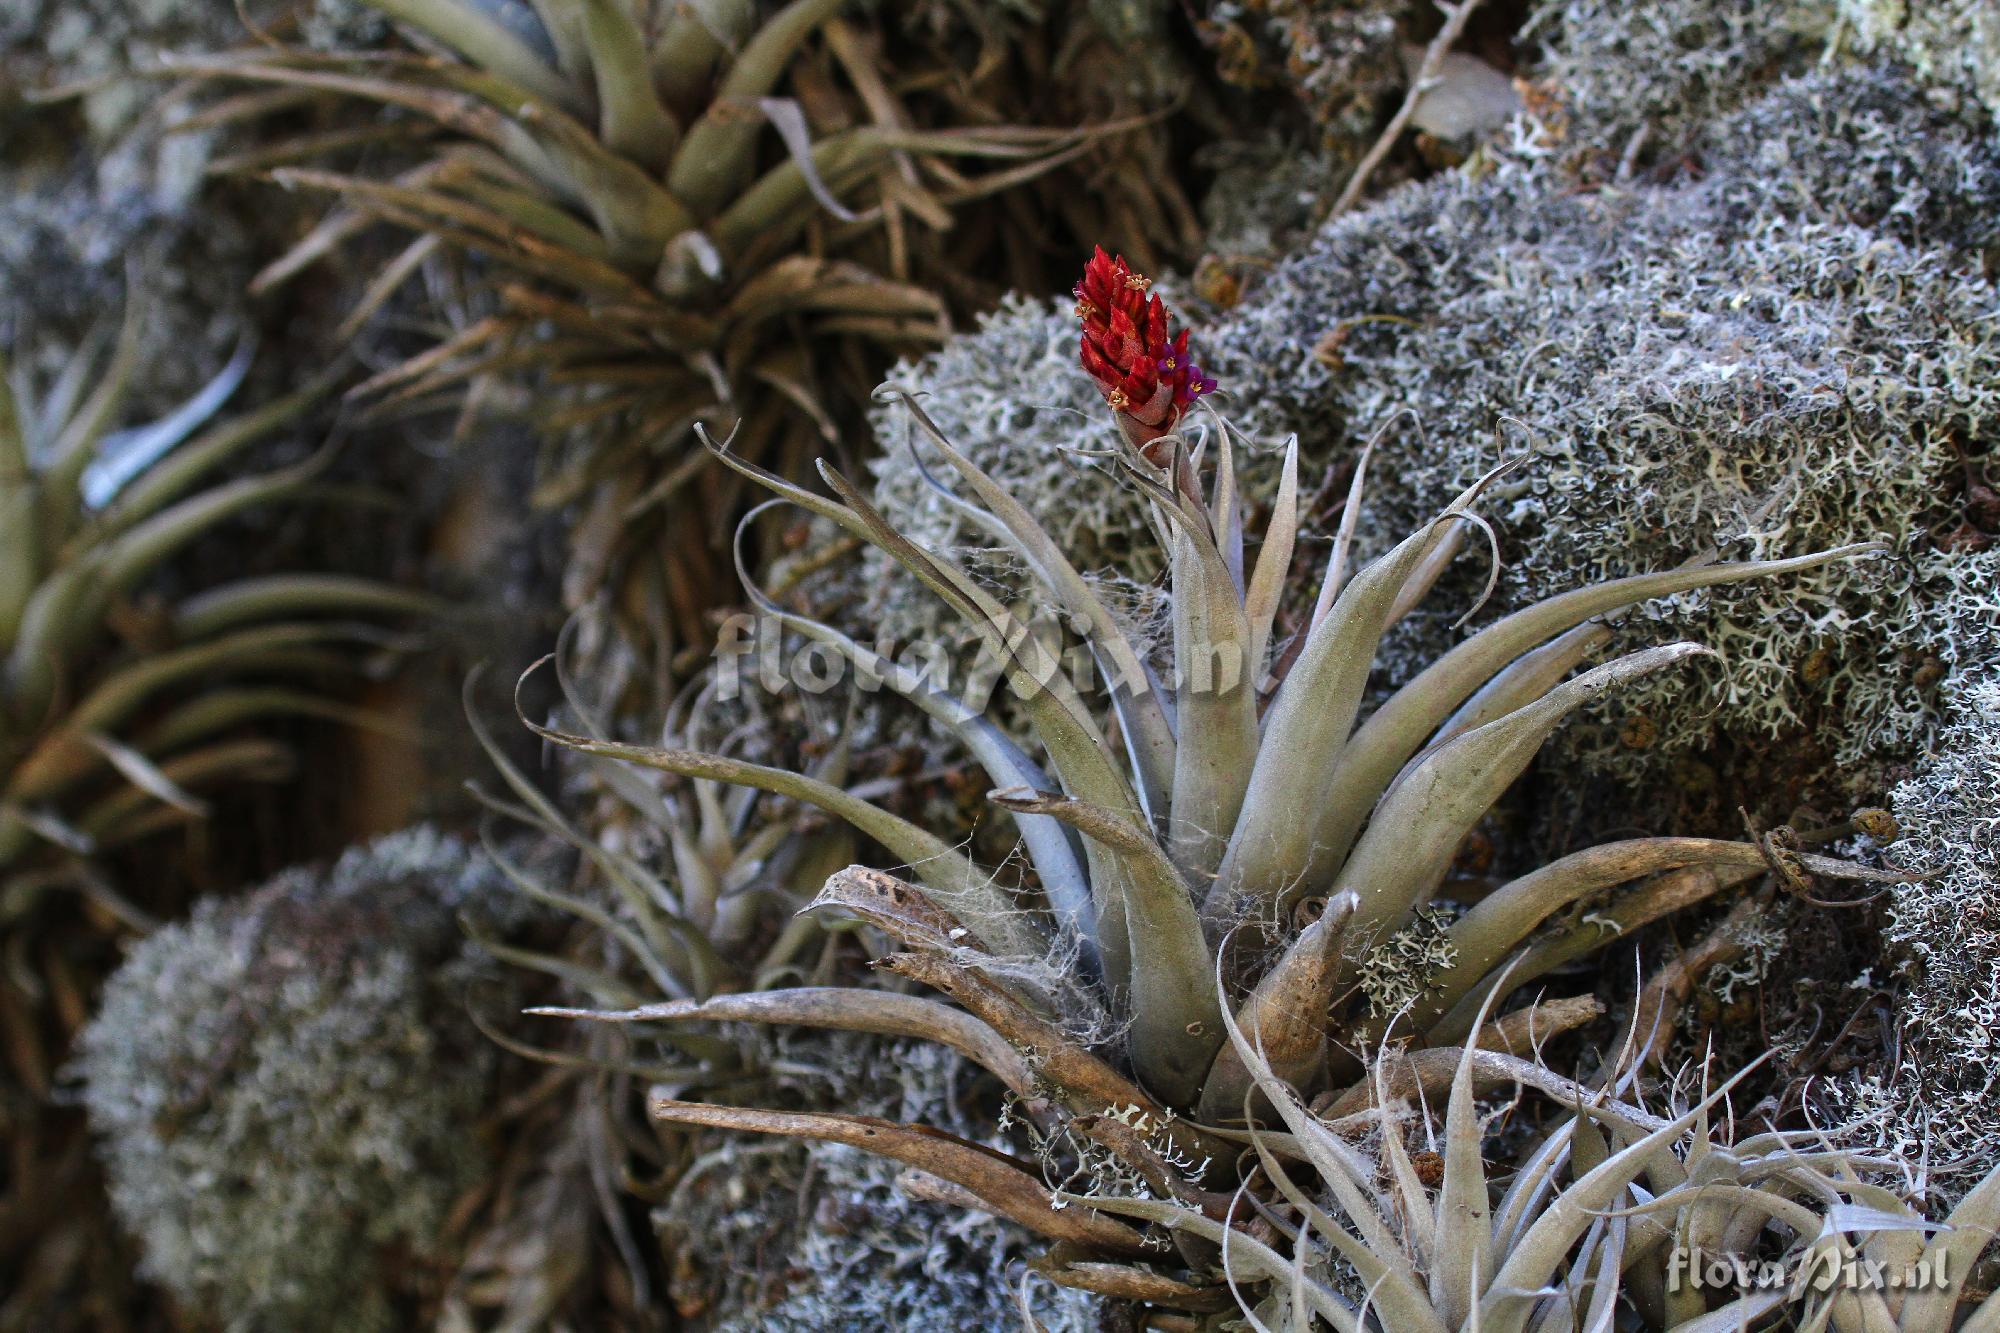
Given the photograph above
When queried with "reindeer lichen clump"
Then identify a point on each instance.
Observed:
(1666, 411)
(287, 1085)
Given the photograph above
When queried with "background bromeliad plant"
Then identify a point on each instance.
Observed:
(684, 889)
(728, 211)
(688, 888)
(1236, 854)
(129, 701)
(117, 706)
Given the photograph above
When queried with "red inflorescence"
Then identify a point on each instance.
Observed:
(1145, 376)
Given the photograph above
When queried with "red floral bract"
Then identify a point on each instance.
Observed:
(1145, 375)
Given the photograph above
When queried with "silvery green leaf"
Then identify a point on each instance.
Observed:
(124, 454)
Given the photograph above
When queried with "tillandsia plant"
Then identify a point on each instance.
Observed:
(707, 211)
(690, 887)
(1222, 845)
(1614, 1216)
(116, 706)
(684, 889)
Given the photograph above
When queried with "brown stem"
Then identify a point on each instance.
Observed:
(1455, 17)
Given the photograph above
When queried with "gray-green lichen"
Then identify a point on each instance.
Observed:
(1791, 347)
(1940, 1098)
(1395, 973)
(287, 1086)
(1343, 62)
(88, 233)
(1638, 82)
(1761, 942)
(1954, 45)
(1645, 79)
(780, 1237)
(96, 47)
(106, 205)
(343, 25)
